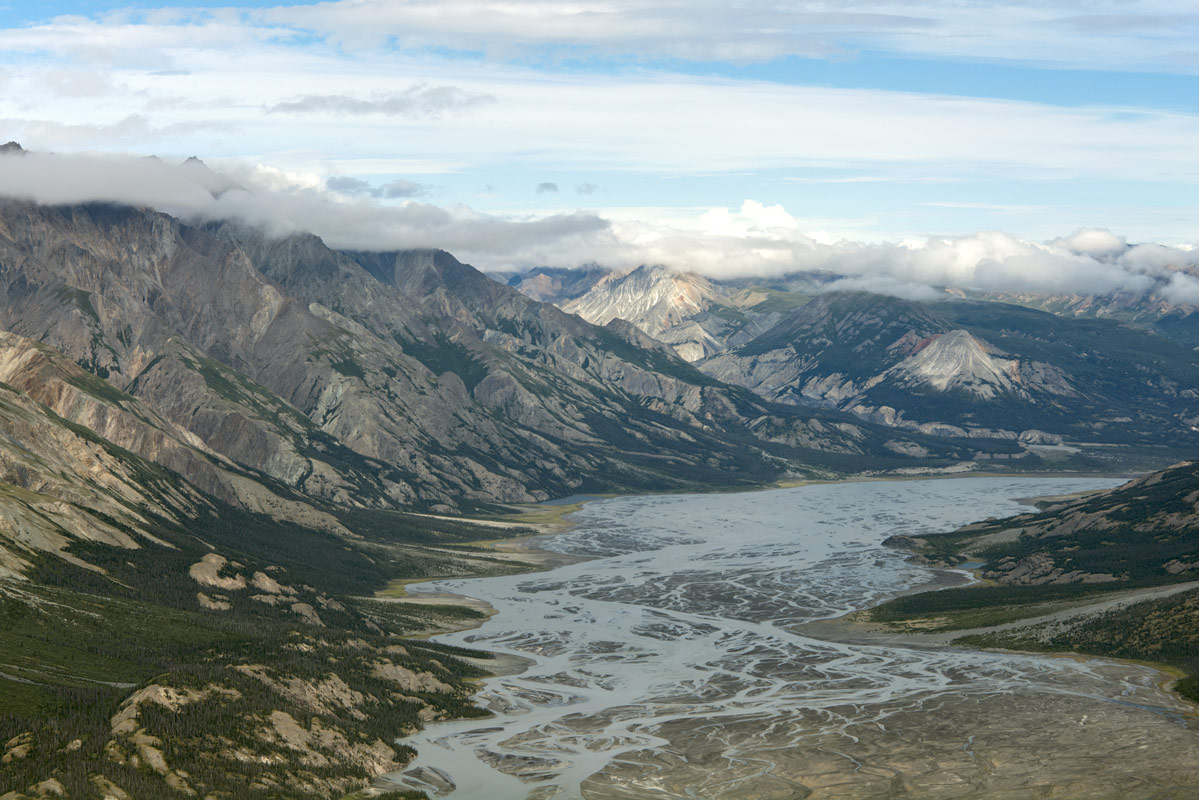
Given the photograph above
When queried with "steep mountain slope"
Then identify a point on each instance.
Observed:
(547, 365)
(176, 318)
(160, 642)
(386, 380)
(967, 368)
(98, 409)
(60, 484)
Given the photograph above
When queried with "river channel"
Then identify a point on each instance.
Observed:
(674, 664)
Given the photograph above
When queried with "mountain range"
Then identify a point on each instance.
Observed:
(1038, 369)
(284, 377)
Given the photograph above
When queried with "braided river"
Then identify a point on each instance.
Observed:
(674, 663)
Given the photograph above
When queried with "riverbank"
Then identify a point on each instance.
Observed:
(858, 628)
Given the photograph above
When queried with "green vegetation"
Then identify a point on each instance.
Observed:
(1143, 535)
(283, 677)
(775, 301)
(98, 388)
(442, 355)
(988, 604)
(1165, 630)
(80, 299)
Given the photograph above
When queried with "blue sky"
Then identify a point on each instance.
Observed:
(862, 121)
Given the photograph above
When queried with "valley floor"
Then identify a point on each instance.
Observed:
(1008, 727)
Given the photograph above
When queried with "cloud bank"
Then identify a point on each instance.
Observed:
(754, 240)
(760, 240)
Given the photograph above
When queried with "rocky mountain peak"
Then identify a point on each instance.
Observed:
(653, 298)
(12, 149)
(957, 360)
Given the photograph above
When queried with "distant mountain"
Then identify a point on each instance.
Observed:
(1146, 310)
(556, 285)
(970, 368)
(686, 311)
(1117, 369)
(200, 173)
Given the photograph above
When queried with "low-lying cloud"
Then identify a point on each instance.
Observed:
(285, 203)
(754, 240)
(759, 240)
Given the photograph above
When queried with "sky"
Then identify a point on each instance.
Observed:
(729, 138)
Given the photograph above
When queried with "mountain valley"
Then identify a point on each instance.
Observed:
(220, 448)
(225, 452)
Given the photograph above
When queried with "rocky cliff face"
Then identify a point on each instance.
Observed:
(61, 484)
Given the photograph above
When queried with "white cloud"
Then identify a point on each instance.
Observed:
(418, 100)
(1181, 288)
(758, 240)
(284, 202)
(1109, 35)
(238, 72)
(1093, 242)
(392, 190)
(753, 240)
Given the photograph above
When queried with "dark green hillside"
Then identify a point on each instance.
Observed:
(851, 329)
(1143, 535)
(298, 651)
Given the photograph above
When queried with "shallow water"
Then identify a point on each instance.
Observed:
(671, 664)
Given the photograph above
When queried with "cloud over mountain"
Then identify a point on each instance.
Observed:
(285, 203)
(754, 240)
